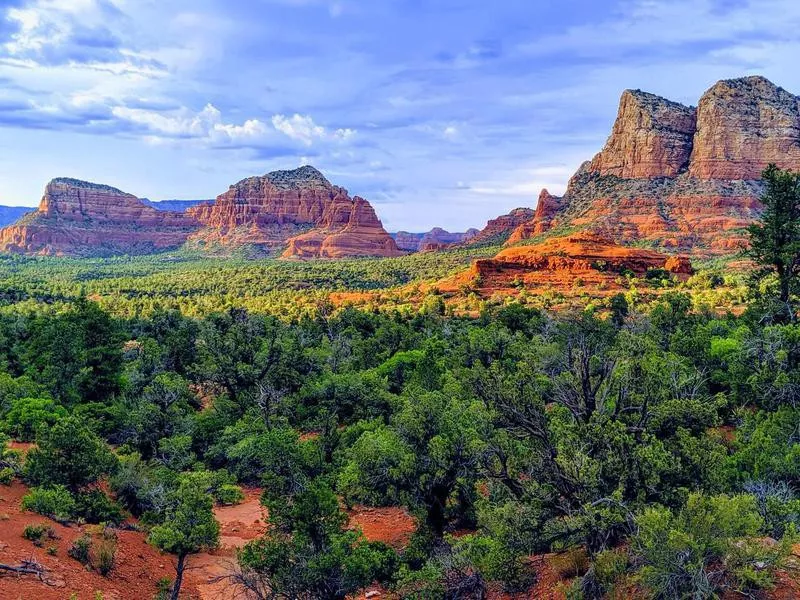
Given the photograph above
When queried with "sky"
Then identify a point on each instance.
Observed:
(440, 112)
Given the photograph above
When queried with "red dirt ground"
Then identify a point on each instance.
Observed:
(139, 566)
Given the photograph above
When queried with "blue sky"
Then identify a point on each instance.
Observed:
(440, 112)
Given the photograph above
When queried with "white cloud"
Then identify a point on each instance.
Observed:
(208, 126)
(302, 128)
(298, 127)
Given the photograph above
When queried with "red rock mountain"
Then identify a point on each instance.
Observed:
(497, 231)
(80, 218)
(435, 239)
(679, 177)
(300, 209)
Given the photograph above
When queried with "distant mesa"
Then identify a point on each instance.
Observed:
(297, 210)
(10, 214)
(174, 205)
(82, 218)
(433, 240)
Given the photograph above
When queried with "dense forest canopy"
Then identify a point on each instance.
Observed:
(658, 441)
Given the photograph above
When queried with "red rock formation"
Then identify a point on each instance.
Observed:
(585, 258)
(661, 180)
(547, 209)
(347, 229)
(652, 137)
(497, 231)
(742, 126)
(81, 218)
(435, 239)
(299, 208)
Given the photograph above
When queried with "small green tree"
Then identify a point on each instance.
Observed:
(68, 454)
(775, 240)
(189, 527)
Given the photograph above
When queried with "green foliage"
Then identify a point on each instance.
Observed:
(94, 506)
(775, 240)
(55, 502)
(68, 454)
(189, 526)
(81, 549)
(38, 533)
(26, 416)
(105, 553)
(681, 553)
(7, 475)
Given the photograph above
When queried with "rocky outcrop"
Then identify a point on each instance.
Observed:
(299, 209)
(585, 259)
(682, 182)
(347, 229)
(652, 137)
(547, 209)
(497, 231)
(81, 218)
(435, 239)
(743, 125)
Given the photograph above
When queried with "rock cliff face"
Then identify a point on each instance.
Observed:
(683, 182)
(742, 126)
(497, 231)
(81, 218)
(435, 239)
(652, 137)
(300, 208)
(560, 262)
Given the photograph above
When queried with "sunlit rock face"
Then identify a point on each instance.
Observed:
(682, 178)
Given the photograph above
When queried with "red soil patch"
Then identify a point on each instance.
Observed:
(391, 525)
(20, 446)
(137, 570)
(238, 525)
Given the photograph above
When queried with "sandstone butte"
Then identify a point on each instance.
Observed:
(560, 262)
(684, 178)
(80, 218)
(299, 210)
(435, 239)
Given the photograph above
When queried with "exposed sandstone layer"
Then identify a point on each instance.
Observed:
(682, 183)
(497, 231)
(547, 209)
(298, 208)
(743, 125)
(652, 137)
(435, 239)
(81, 218)
(587, 258)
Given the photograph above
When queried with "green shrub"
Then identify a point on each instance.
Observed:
(229, 494)
(55, 502)
(424, 584)
(105, 553)
(81, 549)
(681, 553)
(6, 475)
(95, 506)
(27, 415)
(38, 533)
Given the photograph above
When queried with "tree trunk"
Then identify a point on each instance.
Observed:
(176, 587)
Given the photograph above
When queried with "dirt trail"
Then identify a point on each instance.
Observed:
(238, 525)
